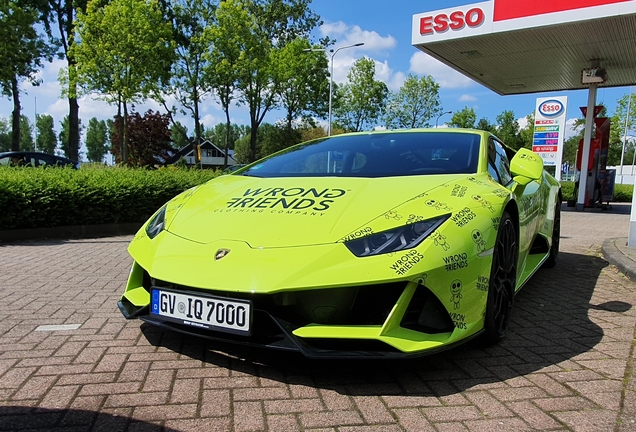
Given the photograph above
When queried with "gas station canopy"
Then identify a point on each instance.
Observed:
(515, 47)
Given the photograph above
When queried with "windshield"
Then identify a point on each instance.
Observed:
(375, 155)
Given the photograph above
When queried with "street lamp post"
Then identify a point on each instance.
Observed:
(444, 113)
(332, 55)
(629, 104)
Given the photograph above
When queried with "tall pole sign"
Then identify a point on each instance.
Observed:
(549, 131)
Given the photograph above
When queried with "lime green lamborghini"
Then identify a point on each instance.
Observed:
(382, 244)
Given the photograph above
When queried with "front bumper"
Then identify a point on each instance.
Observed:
(285, 340)
(391, 320)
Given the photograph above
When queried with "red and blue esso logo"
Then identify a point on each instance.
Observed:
(551, 108)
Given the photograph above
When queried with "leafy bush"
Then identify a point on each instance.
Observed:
(622, 192)
(567, 189)
(47, 197)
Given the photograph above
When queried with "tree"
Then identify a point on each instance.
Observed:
(485, 125)
(124, 53)
(273, 138)
(22, 50)
(361, 100)
(148, 140)
(228, 39)
(617, 130)
(63, 13)
(46, 140)
(26, 134)
(414, 104)
(217, 134)
(96, 140)
(279, 23)
(189, 83)
(5, 135)
(526, 134)
(571, 147)
(508, 130)
(242, 147)
(309, 132)
(464, 118)
(304, 89)
(179, 135)
(255, 29)
(64, 136)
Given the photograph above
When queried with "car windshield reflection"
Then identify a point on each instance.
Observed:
(375, 155)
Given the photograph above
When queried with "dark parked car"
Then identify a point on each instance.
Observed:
(35, 159)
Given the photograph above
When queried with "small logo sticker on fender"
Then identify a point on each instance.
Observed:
(221, 253)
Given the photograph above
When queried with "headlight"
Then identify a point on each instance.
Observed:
(396, 239)
(157, 223)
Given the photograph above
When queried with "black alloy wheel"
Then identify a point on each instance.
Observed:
(503, 281)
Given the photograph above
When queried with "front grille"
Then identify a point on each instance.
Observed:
(360, 305)
(264, 331)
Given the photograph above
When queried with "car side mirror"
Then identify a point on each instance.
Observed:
(526, 166)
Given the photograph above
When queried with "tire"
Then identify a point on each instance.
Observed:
(503, 281)
(556, 236)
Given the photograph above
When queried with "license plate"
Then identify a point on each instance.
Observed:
(214, 313)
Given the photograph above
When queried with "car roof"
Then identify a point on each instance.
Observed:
(31, 153)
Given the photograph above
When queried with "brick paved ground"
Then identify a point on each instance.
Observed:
(565, 365)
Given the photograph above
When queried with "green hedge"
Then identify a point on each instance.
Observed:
(49, 197)
(622, 192)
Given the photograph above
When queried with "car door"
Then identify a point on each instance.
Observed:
(528, 197)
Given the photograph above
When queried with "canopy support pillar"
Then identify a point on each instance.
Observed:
(581, 201)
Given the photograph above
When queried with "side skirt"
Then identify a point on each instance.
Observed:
(533, 263)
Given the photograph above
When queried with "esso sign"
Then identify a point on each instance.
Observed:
(455, 21)
(551, 108)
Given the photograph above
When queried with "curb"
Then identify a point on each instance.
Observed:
(615, 256)
(70, 232)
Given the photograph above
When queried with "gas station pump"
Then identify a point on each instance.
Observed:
(596, 187)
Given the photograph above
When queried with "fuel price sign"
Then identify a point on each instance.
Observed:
(549, 130)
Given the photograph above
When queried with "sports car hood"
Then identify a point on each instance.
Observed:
(300, 211)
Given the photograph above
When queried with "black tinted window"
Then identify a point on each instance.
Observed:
(502, 164)
(376, 155)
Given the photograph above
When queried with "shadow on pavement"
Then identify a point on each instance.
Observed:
(44, 419)
(550, 324)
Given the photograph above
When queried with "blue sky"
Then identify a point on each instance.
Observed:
(384, 27)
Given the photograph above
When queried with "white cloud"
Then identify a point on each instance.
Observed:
(341, 66)
(523, 122)
(49, 87)
(467, 98)
(333, 29)
(210, 120)
(446, 77)
(344, 59)
(396, 81)
(570, 130)
(349, 35)
(372, 40)
(384, 73)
